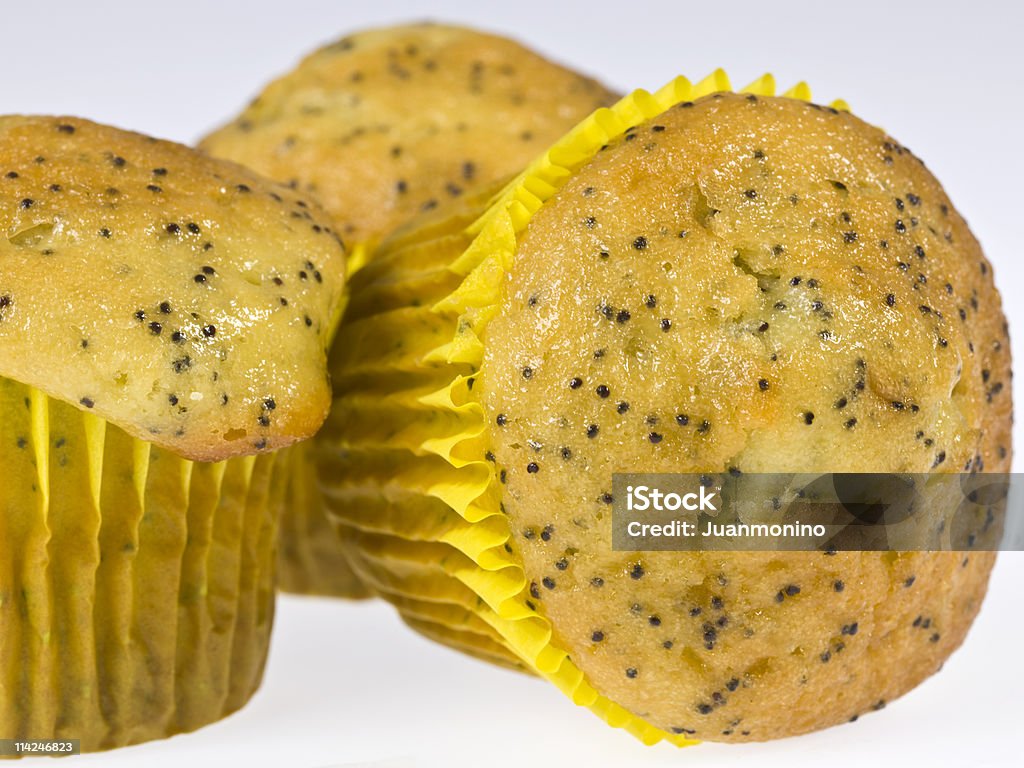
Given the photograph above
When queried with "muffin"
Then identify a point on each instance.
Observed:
(163, 326)
(381, 127)
(692, 281)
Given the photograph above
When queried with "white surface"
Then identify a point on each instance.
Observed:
(347, 684)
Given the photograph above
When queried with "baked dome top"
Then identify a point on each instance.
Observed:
(185, 299)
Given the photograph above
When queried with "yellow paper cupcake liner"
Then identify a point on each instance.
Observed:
(310, 559)
(470, 644)
(136, 587)
(402, 473)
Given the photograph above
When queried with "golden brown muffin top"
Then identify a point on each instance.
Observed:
(185, 299)
(387, 123)
(759, 284)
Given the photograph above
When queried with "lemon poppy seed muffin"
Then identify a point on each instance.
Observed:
(786, 310)
(163, 325)
(383, 126)
(736, 282)
(387, 123)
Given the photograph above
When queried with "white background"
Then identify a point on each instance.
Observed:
(347, 684)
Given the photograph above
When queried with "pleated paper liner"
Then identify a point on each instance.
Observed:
(471, 645)
(401, 470)
(312, 558)
(136, 587)
(457, 627)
